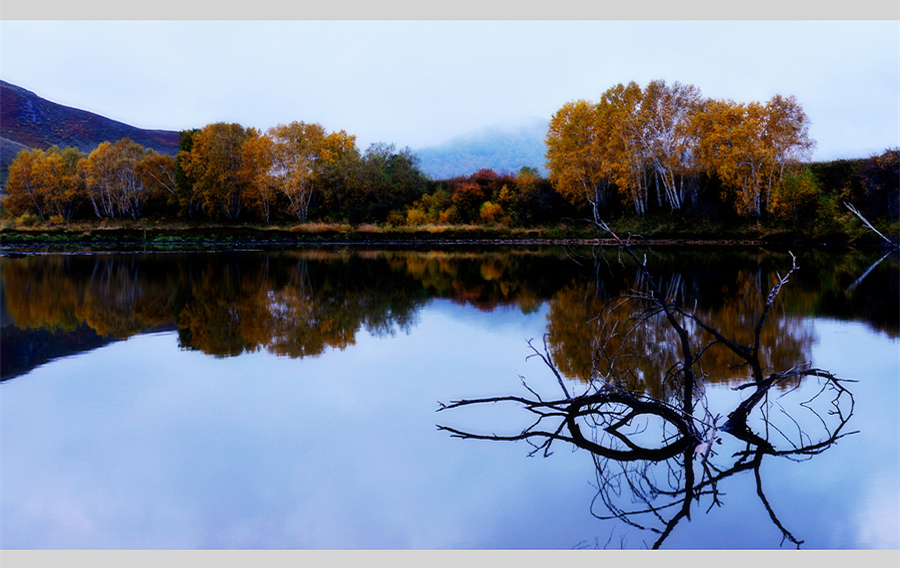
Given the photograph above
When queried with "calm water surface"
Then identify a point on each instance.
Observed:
(290, 400)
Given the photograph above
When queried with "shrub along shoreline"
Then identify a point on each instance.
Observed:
(657, 231)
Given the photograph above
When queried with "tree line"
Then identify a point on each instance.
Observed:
(222, 172)
(663, 140)
(662, 149)
(669, 148)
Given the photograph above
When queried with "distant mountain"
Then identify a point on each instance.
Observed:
(28, 121)
(502, 148)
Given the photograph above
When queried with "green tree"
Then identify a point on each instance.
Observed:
(387, 180)
(184, 183)
(794, 198)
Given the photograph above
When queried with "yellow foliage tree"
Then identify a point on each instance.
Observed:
(113, 184)
(751, 146)
(576, 155)
(301, 154)
(215, 164)
(257, 169)
(45, 182)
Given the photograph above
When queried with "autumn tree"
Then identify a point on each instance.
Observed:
(214, 165)
(436, 207)
(257, 163)
(113, 183)
(577, 155)
(751, 146)
(662, 135)
(341, 165)
(184, 183)
(301, 154)
(626, 152)
(667, 135)
(45, 182)
(157, 171)
(24, 187)
(595, 147)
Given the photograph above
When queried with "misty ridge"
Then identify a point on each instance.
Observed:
(502, 147)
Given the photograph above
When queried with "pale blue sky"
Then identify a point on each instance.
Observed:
(418, 83)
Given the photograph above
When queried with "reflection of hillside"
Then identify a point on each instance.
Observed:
(21, 350)
(301, 303)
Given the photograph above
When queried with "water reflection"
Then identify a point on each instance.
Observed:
(659, 447)
(193, 449)
(300, 303)
(296, 304)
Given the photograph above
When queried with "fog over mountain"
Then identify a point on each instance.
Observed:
(502, 147)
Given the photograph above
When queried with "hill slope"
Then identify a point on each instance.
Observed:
(29, 121)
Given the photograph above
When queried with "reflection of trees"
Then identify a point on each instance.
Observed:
(300, 303)
(488, 280)
(296, 304)
(653, 445)
(113, 296)
(596, 324)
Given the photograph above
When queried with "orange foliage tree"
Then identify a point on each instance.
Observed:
(663, 135)
(45, 183)
(215, 166)
(751, 146)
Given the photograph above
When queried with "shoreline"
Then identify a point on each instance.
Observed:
(18, 240)
(141, 236)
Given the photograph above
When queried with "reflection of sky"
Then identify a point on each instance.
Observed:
(142, 445)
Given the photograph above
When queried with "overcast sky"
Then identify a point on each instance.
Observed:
(418, 83)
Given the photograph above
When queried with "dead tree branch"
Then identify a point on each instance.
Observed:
(869, 225)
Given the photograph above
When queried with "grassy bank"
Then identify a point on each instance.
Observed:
(180, 234)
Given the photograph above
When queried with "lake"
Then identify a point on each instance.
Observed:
(307, 399)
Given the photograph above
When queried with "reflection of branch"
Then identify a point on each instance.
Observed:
(736, 424)
(773, 293)
(545, 357)
(866, 273)
(786, 534)
(605, 419)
